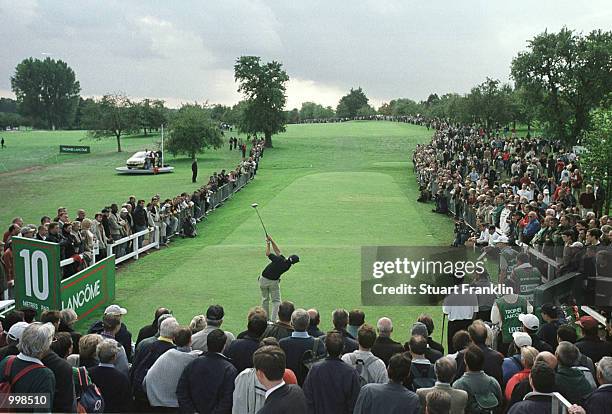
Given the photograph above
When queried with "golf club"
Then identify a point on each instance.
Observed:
(254, 205)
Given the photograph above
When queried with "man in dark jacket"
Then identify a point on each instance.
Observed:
(207, 383)
(282, 327)
(140, 220)
(570, 382)
(313, 327)
(600, 402)
(269, 363)
(151, 330)
(542, 380)
(384, 347)
(332, 386)
(64, 400)
(298, 343)
(113, 384)
(493, 359)
(340, 321)
(240, 351)
(194, 171)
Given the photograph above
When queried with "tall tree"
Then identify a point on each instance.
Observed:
(598, 144)
(490, 103)
(192, 131)
(47, 91)
(151, 114)
(112, 116)
(311, 110)
(263, 85)
(351, 103)
(571, 73)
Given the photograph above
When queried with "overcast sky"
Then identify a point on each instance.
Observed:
(184, 51)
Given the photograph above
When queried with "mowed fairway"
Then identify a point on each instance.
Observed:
(324, 191)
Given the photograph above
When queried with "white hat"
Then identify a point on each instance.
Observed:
(546, 191)
(17, 330)
(115, 310)
(502, 239)
(577, 244)
(521, 339)
(124, 210)
(530, 321)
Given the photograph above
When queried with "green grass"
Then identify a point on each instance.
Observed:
(324, 191)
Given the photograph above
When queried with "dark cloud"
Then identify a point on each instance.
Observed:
(185, 51)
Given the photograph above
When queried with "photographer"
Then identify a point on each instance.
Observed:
(462, 233)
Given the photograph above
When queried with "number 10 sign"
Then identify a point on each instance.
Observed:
(37, 274)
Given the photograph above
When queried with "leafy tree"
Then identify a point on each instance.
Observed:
(293, 116)
(112, 116)
(47, 91)
(12, 120)
(192, 131)
(571, 73)
(263, 86)
(490, 103)
(219, 112)
(598, 144)
(311, 110)
(366, 110)
(151, 114)
(8, 105)
(351, 103)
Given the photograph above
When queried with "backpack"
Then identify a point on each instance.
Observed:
(362, 368)
(588, 375)
(423, 375)
(483, 403)
(89, 398)
(6, 386)
(309, 358)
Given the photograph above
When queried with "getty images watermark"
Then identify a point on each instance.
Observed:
(425, 276)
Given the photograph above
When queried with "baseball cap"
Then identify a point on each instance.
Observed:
(419, 328)
(587, 322)
(215, 313)
(294, 258)
(124, 210)
(530, 321)
(521, 339)
(550, 310)
(17, 330)
(115, 310)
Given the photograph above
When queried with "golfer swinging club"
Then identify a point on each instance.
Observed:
(269, 282)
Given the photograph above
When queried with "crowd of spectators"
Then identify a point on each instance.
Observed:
(86, 237)
(520, 191)
(291, 365)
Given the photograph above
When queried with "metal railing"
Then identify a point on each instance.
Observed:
(559, 404)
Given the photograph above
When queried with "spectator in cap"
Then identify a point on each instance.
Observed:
(27, 232)
(12, 340)
(445, 369)
(531, 324)
(384, 347)
(111, 325)
(123, 336)
(512, 364)
(207, 383)
(571, 383)
(600, 401)
(591, 344)
(113, 384)
(33, 346)
(420, 329)
(548, 330)
(162, 378)
(391, 397)
(214, 320)
(9, 320)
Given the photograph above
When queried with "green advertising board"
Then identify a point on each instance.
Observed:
(37, 274)
(39, 284)
(75, 149)
(90, 289)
